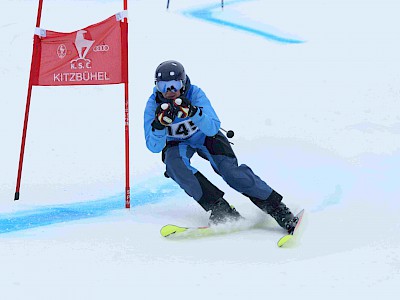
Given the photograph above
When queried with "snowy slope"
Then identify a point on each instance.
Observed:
(317, 119)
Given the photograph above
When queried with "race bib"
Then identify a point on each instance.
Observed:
(182, 130)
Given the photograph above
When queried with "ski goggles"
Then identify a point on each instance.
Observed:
(172, 85)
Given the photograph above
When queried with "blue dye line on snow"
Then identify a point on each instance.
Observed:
(207, 15)
(48, 215)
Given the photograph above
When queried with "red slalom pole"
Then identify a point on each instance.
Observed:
(36, 42)
(126, 83)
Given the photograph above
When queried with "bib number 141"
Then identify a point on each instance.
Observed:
(182, 129)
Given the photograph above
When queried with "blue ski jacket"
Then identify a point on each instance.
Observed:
(191, 130)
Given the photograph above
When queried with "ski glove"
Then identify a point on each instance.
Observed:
(184, 108)
(165, 115)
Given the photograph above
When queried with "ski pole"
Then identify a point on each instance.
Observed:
(229, 133)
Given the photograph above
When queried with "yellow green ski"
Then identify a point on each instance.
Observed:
(169, 230)
(283, 240)
(176, 232)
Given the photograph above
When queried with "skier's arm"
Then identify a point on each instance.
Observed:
(205, 118)
(155, 138)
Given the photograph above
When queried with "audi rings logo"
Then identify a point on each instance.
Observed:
(101, 48)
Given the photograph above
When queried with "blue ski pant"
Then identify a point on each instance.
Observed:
(218, 151)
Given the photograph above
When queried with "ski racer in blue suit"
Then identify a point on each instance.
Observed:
(180, 121)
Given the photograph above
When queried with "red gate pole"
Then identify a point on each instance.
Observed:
(126, 83)
(36, 42)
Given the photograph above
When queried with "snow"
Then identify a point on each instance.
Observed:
(318, 120)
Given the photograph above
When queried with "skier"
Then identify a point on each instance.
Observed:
(179, 121)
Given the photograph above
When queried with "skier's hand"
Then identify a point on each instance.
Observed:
(165, 115)
(184, 108)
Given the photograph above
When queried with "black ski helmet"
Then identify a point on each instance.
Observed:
(170, 70)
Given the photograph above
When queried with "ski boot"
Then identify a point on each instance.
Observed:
(291, 224)
(222, 212)
(284, 217)
(274, 206)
